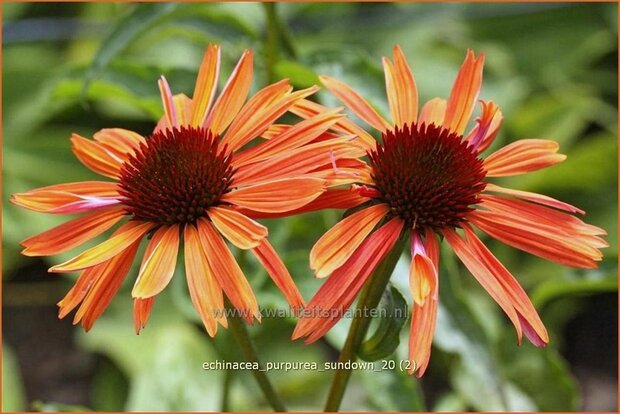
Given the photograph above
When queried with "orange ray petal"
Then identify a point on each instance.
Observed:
(523, 156)
(111, 274)
(141, 312)
(233, 95)
(341, 241)
(119, 141)
(355, 103)
(278, 195)
(534, 197)
(433, 112)
(422, 273)
(204, 291)
(72, 233)
(483, 275)
(513, 289)
(227, 272)
(423, 317)
(182, 107)
(401, 89)
(305, 108)
(278, 272)
(487, 126)
(96, 156)
(126, 235)
(158, 263)
(168, 102)
(239, 229)
(464, 93)
(206, 85)
(339, 291)
(290, 138)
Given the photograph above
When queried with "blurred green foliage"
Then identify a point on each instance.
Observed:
(551, 67)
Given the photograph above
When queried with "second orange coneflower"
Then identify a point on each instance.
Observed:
(193, 181)
(428, 178)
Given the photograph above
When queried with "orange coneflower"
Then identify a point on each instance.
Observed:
(194, 179)
(427, 178)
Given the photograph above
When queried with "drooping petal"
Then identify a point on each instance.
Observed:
(276, 196)
(141, 312)
(158, 263)
(204, 291)
(96, 156)
(306, 109)
(239, 229)
(233, 95)
(464, 93)
(206, 85)
(483, 276)
(126, 235)
(337, 294)
(534, 329)
(108, 277)
(293, 137)
(341, 241)
(72, 233)
(523, 156)
(433, 112)
(534, 197)
(422, 273)
(401, 89)
(355, 103)
(487, 126)
(272, 263)
(227, 272)
(69, 198)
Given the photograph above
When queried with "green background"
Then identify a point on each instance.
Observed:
(551, 67)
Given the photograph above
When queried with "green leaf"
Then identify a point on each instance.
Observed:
(592, 283)
(12, 388)
(143, 17)
(392, 316)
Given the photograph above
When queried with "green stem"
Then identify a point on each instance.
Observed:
(228, 375)
(277, 38)
(369, 299)
(240, 331)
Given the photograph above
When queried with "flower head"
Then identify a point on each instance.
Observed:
(193, 180)
(427, 178)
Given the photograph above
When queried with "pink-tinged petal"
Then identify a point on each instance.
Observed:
(72, 233)
(158, 263)
(289, 138)
(96, 156)
(401, 89)
(483, 275)
(204, 291)
(127, 235)
(306, 109)
(277, 196)
(523, 156)
(108, 277)
(272, 263)
(337, 245)
(433, 112)
(355, 103)
(530, 321)
(168, 102)
(534, 197)
(183, 107)
(239, 229)
(339, 291)
(233, 95)
(227, 272)
(423, 278)
(464, 93)
(141, 312)
(206, 85)
(487, 126)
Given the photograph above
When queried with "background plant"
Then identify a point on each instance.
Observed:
(80, 67)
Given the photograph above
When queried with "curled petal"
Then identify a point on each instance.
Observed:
(141, 312)
(487, 126)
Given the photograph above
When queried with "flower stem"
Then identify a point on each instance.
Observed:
(369, 299)
(240, 331)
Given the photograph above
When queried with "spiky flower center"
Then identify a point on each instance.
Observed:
(176, 176)
(428, 175)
